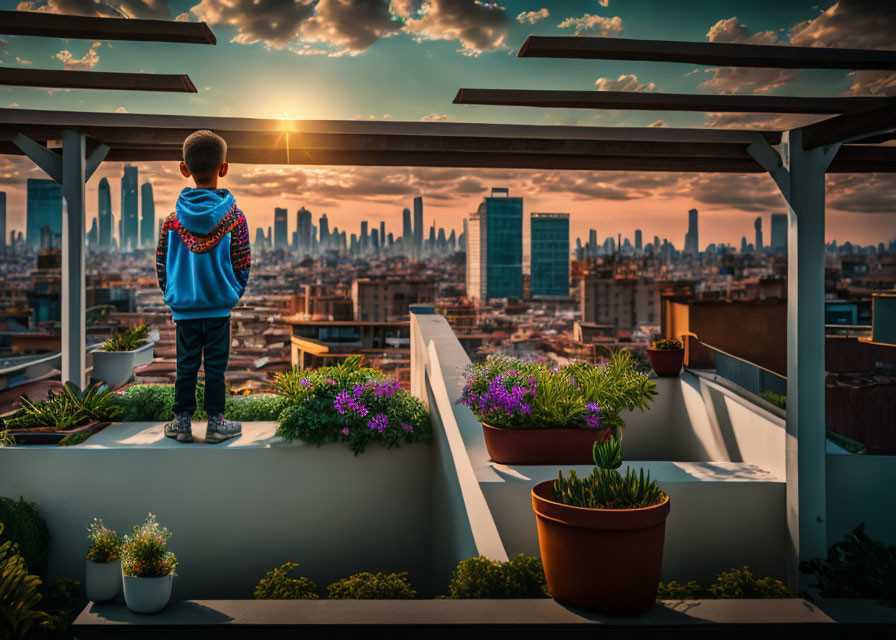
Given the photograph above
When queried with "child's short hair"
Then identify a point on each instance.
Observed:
(204, 152)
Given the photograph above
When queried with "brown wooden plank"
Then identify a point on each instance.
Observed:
(706, 53)
(52, 25)
(850, 126)
(113, 81)
(634, 100)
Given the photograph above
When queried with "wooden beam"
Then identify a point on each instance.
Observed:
(849, 127)
(111, 81)
(635, 100)
(53, 25)
(706, 53)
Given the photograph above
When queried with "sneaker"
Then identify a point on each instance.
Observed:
(220, 429)
(180, 428)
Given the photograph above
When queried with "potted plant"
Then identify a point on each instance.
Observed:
(147, 567)
(65, 411)
(120, 354)
(103, 578)
(666, 356)
(535, 414)
(601, 537)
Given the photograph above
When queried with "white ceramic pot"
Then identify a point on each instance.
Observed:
(147, 595)
(115, 368)
(103, 580)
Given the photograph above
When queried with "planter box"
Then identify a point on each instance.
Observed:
(116, 368)
(542, 446)
(52, 435)
(666, 363)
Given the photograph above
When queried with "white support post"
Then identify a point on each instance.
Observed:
(800, 175)
(73, 246)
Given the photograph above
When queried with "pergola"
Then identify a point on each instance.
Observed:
(797, 161)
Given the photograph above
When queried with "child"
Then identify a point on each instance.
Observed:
(203, 265)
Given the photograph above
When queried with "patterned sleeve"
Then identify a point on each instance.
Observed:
(162, 255)
(240, 253)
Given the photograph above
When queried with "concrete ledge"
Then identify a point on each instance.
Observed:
(255, 618)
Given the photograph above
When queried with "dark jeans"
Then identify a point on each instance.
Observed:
(201, 339)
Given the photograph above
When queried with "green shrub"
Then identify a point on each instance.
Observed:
(606, 488)
(25, 527)
(144, 553)
(19, 594)
(479, 577)
(279, 584)
(154, 403)
(254, 408)
(105, 544)
(856, 567)
(351, 404)
(775, 398)
(742, 583)
(66, 408)
(61, 600)
(127, 339)
(6, 438)
(674, 590)
(667, 344)
(373, 586)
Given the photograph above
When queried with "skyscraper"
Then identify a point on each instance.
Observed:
(104, 215)
(43, 209)
(692, 239)
(757, 224)
(280, 238)
(418, 227)
(324, 232)
(148, 219)
(550, 254)
(303, 228)
(407, 233)
(495, 248)
(2, 218)
(362, 239)
(383, 235)
(779, 232)
(638, 241)
(92, 236)
(130, 223)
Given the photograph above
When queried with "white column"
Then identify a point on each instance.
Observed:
(73, 247)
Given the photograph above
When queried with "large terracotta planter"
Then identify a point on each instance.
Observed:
(542, 446)
(666, 363)
(603, 560)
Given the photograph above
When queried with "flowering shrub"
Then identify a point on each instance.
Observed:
(105, 544)
(279, 584)
(144, 553)
(349, 403)
(373, 586)
(511, 394)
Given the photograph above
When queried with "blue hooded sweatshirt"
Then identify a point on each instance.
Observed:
(203, 257)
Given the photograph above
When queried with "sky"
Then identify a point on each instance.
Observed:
(405, 59)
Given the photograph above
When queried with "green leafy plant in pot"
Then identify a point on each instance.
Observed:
(666, 356)
(601, 537)
(147, 567)
(121, 352)
(103, 572)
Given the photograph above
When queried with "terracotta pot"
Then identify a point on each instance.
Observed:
(542, 446)
(603, 560)
(666, 363)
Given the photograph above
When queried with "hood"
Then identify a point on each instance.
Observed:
(199, 210)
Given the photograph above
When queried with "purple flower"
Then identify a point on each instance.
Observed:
(593, 407)
(357, 390)
(331, 381)
(593, 420)
(346, 431)
(341, 403)
(407, 427)
(572, 381)
(387, 388)
(379, 422)
(305, 382)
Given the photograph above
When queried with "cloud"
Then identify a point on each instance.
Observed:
(155, 9)
(862, 193)
(350, 26)
(744, 79)
(274, 22)
(657, 123)
(85, 63)
(593, 25)
(770, 121)
(121, 110)
(478, 26)
(533, 16)
(625, 82)
(22, 61)
(436, 117)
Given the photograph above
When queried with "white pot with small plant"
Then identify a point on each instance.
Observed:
(103, 574)
(121, 353)
(147, 567)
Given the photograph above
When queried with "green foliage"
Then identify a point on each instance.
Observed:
(736, 583)
(479, 577)
(105, 544)
(606, 488)
(19, 594)
(279, 584)
(349, 403)
(667, 344)
(61, 600)
(66, 408)
(144, 553)
(127, 339)
(775, 398)
(25, 527)
(6, 439)
(74, 439)
(154, 402)
(372, 586)
(254, 408)
(856, 567)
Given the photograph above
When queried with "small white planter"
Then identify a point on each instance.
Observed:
(147, 595)
(103, 580)
(115, 368)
